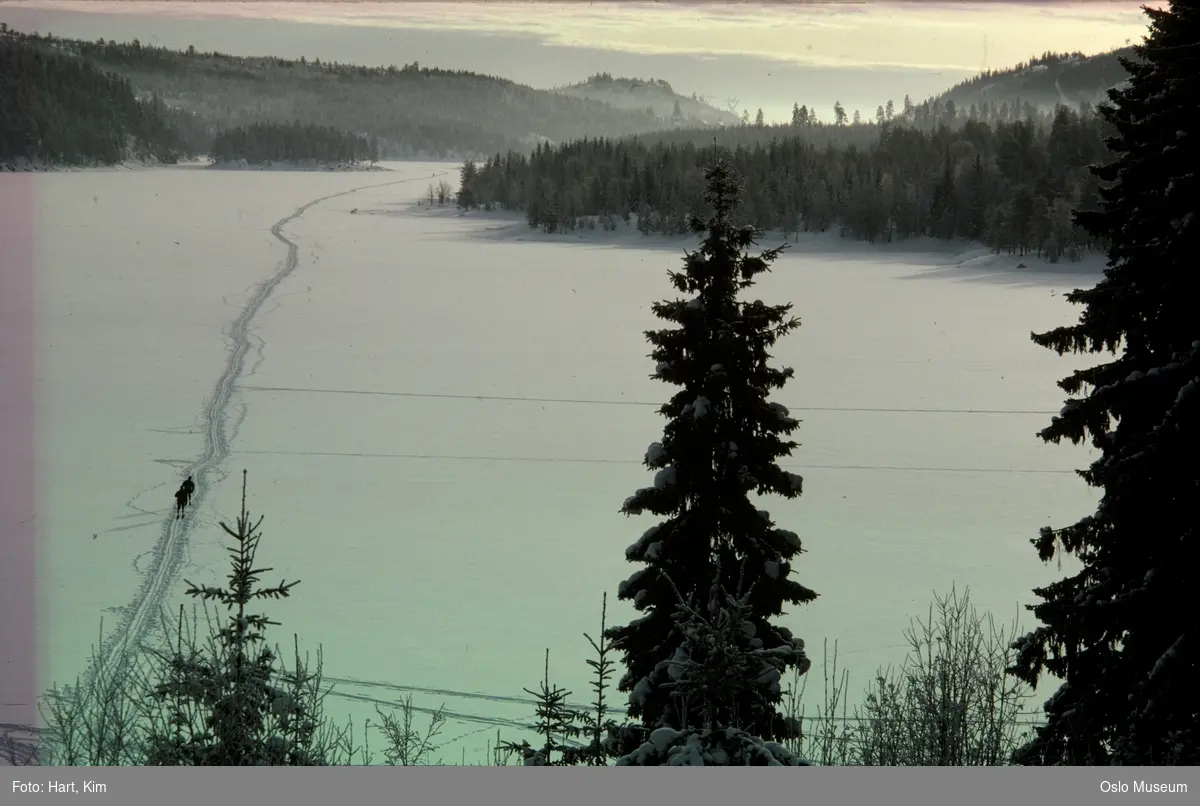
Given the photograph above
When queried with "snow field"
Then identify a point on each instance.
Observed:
(445, 542)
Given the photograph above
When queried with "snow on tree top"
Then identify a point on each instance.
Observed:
(648, 535)
(631, 506)
(662, 738)
(768, 676)
(1174, 365)
(1167, 658)
(675, 669)
(1187, 389)
(664, 478)
(640, 692)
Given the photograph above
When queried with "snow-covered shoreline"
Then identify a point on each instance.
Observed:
(288, 165)
(967, 256)
(22, 165)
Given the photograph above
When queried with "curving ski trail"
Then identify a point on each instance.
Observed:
(168, 554)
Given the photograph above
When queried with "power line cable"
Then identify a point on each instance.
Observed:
(598, 402)
(506, 722)
(579, 460)
(440, 692)
(476, 695)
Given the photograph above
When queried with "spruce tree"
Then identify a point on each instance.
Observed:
(721, 443)
(556, 723)
(839, 114)
(466, 193)
(719, 662)
(1122, 632)
(234, 703)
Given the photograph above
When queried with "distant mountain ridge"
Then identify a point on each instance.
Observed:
(655, 94)
(429, 113)
(412, 111)
(1045, 82)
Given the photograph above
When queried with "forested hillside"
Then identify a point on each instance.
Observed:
(58, 110)
(413, 111)
(841, 127)
(654, 94)
(1011, 185)
(1046, 81)
(264, 143)
(419, 112)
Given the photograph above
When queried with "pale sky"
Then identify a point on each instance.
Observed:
(767, 54)
(947, 35)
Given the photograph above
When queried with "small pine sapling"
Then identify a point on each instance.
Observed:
(235, 704)
(406, 745)
(596, 723)
(556, 724)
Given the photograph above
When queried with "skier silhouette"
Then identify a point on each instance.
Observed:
(183, 496)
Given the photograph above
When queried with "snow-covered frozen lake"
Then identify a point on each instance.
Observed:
(441, 415)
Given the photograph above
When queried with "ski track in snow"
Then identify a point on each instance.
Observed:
(168, 555)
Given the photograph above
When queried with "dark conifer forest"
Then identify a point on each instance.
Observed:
(55, 109)
(262, 143)
(1008, 183)
(1049, 79)
(1122, 630)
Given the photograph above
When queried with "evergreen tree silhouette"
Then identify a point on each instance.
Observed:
(1123, 631)
(722, 443)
